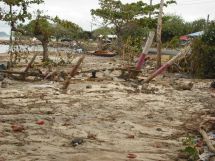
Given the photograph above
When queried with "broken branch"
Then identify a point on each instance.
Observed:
(72, 73)
(207, 140)
(168, 64)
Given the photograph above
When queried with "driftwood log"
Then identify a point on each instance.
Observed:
(36, 74)
(24, 75)
(168, 64)
(207, 140)
(72, 73)
(205, 135)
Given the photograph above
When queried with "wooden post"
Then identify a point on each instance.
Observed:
(30, 63)
(169, 63)
(23, 76)
(72, 74)
(159, 30)
(148, 44)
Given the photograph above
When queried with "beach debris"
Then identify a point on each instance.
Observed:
(2, 67)
(104, 53)
(17, 128)
(89, 86)
(72, 73)
(4, 84)
(23, 76)
(168, 64)
(77, 141)
(207, 140)
(40, 122)
(213, 84)
(130, 136)
(93, 74)
(131, 156)
(183, 86)
(1, 77)
(91, 136)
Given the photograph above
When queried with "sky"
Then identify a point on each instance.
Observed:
(78, 11)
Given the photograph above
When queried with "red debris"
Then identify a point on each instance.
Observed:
(17, 128)
(131, 136)
(40, 122)
(132, 156)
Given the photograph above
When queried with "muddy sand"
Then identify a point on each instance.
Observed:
(111, 116)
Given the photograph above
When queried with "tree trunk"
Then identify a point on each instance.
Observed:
(159, 29)
(119, 41)
(11, 37)
(45, 50)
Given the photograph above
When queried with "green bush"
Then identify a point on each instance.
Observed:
(203, 54)
(203, 60)
(209, 36)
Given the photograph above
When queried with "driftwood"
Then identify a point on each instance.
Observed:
(36, 74)
(102, 70)
(50, 75)
(207, 140)
(24, 75)
(204, 134)
(30, 63)
(72, 74)
(168, 64)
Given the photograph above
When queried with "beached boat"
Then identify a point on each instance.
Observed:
(104, 53)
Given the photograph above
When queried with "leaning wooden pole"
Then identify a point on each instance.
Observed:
(159, 30)
(168, 64)
(72, 74)
(145, 51)
(23, 76)
(30, 63)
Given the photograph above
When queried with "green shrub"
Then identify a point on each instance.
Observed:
(203, 59)
(209, 35)
(203, 54)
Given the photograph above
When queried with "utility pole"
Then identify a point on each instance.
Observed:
(159, 30)
(208, 20)
(150, 14)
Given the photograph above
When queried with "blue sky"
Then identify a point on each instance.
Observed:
(78, 11)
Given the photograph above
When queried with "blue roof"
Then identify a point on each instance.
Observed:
(196, 34)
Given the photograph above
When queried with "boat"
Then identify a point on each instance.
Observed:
(104, 53)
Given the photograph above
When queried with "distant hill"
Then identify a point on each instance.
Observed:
(3, 34)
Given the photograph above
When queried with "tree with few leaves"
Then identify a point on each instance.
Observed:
(15, 11)
(42, 29)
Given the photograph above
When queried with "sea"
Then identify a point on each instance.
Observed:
(5, 48)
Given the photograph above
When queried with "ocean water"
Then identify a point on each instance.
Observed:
(5, 38)
(5, 48)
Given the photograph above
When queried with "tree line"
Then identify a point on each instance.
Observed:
(131, 22)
